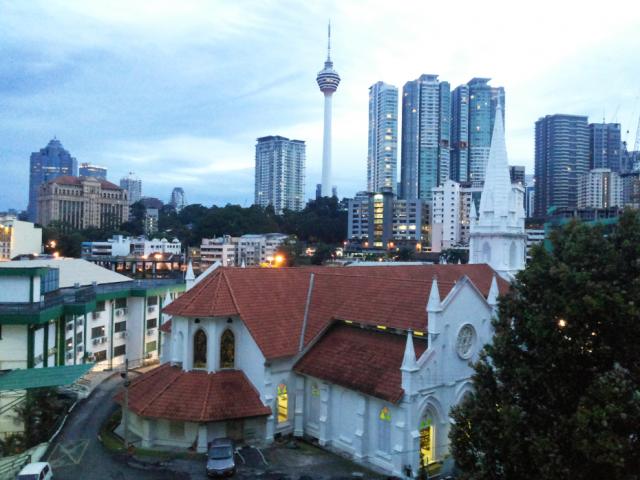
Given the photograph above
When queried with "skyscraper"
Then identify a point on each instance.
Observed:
(177, 200)
(280, 165)
(561, 156)
(382, 153)
(516, 172)
(460, 134)
(426, 118)
(133, 185)
(50, 162)
(483, 102)
(328, 81)
(88, 170)
(605, 146)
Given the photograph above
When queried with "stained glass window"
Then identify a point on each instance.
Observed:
(283, 403)
(384, 430)
(227, 349)
(200, 349)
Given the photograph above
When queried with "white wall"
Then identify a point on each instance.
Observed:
(13, 347)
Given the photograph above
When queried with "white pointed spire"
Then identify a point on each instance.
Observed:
(434, 304)
(409, 363)
(497, 181)
(242, 265)
(492, 298)
(189, 277)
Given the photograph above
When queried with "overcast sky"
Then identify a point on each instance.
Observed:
(178, 91)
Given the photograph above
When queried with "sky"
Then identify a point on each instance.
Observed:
(178, 91)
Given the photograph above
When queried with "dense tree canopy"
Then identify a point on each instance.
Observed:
(557, 394)
(323, 220)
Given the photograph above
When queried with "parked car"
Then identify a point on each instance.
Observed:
(220, 458)
(36, 471)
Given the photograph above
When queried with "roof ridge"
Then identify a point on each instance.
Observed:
(233, 297)
(206, 397)
(412, 280)
(160, 392)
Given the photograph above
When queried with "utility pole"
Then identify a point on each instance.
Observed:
(125, 407)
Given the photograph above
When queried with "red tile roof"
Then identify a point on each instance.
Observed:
(374, 360)
(271, 302)
(197, 396)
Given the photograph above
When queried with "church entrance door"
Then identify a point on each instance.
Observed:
(427, 440)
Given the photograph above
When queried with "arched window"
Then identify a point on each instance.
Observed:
(200, 349)
(227, 349)
(486, 253)
(513, 259)
(384, 430)
(283, 403)
(427, 440)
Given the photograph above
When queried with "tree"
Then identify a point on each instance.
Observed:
(323, 253)
(557, 393)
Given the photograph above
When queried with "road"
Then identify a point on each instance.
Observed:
(78, 454)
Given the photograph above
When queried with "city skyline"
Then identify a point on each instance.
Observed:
(171, 99)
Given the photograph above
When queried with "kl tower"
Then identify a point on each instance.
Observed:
(328, 81)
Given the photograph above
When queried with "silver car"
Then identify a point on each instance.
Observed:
(220, 458)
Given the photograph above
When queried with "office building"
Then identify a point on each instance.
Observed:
(133, 186)
(18, 238)
(529, 195)
(629, 160)
(382, 153)
(380, 220)
(605, 146)
(50, 162)
(426, 118)
(516, 173)
(600, 188)
(88, 170)
(177, 200)
(328, 81)
(535, 236)
(451, 215)
(280, 173)
(561, 156)
(82, 202)
(151, 220)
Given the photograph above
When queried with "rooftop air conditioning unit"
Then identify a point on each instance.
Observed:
(103, 340)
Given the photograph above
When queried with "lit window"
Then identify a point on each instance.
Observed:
(283, 403)
(427, 454)
(384, 430)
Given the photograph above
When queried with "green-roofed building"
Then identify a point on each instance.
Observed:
(70, 312)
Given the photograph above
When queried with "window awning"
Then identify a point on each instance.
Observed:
(22, 379)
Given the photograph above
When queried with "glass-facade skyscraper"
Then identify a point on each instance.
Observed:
(382, 152)
(280, 169)
(426, 118)
(460, 134)
(561, 156)
(605, 145)
(50, 162)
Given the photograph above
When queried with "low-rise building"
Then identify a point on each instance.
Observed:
(121, 246)
(81, 202)
(18, 238)
(59, 312)
(535, 236)
(248, 250)
(221, 249)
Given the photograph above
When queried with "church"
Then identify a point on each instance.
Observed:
(366, 360)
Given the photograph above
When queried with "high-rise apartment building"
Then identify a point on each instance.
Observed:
(177, 200)
(89, 170)
(451, 214)
(561, 156)
(280, 167)
(426, 118)
(483, 103)
(460, 134)
(133, 186)
(605, 146)
(50, 162)
(82, 202)
(382, 153)
(600, 188)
